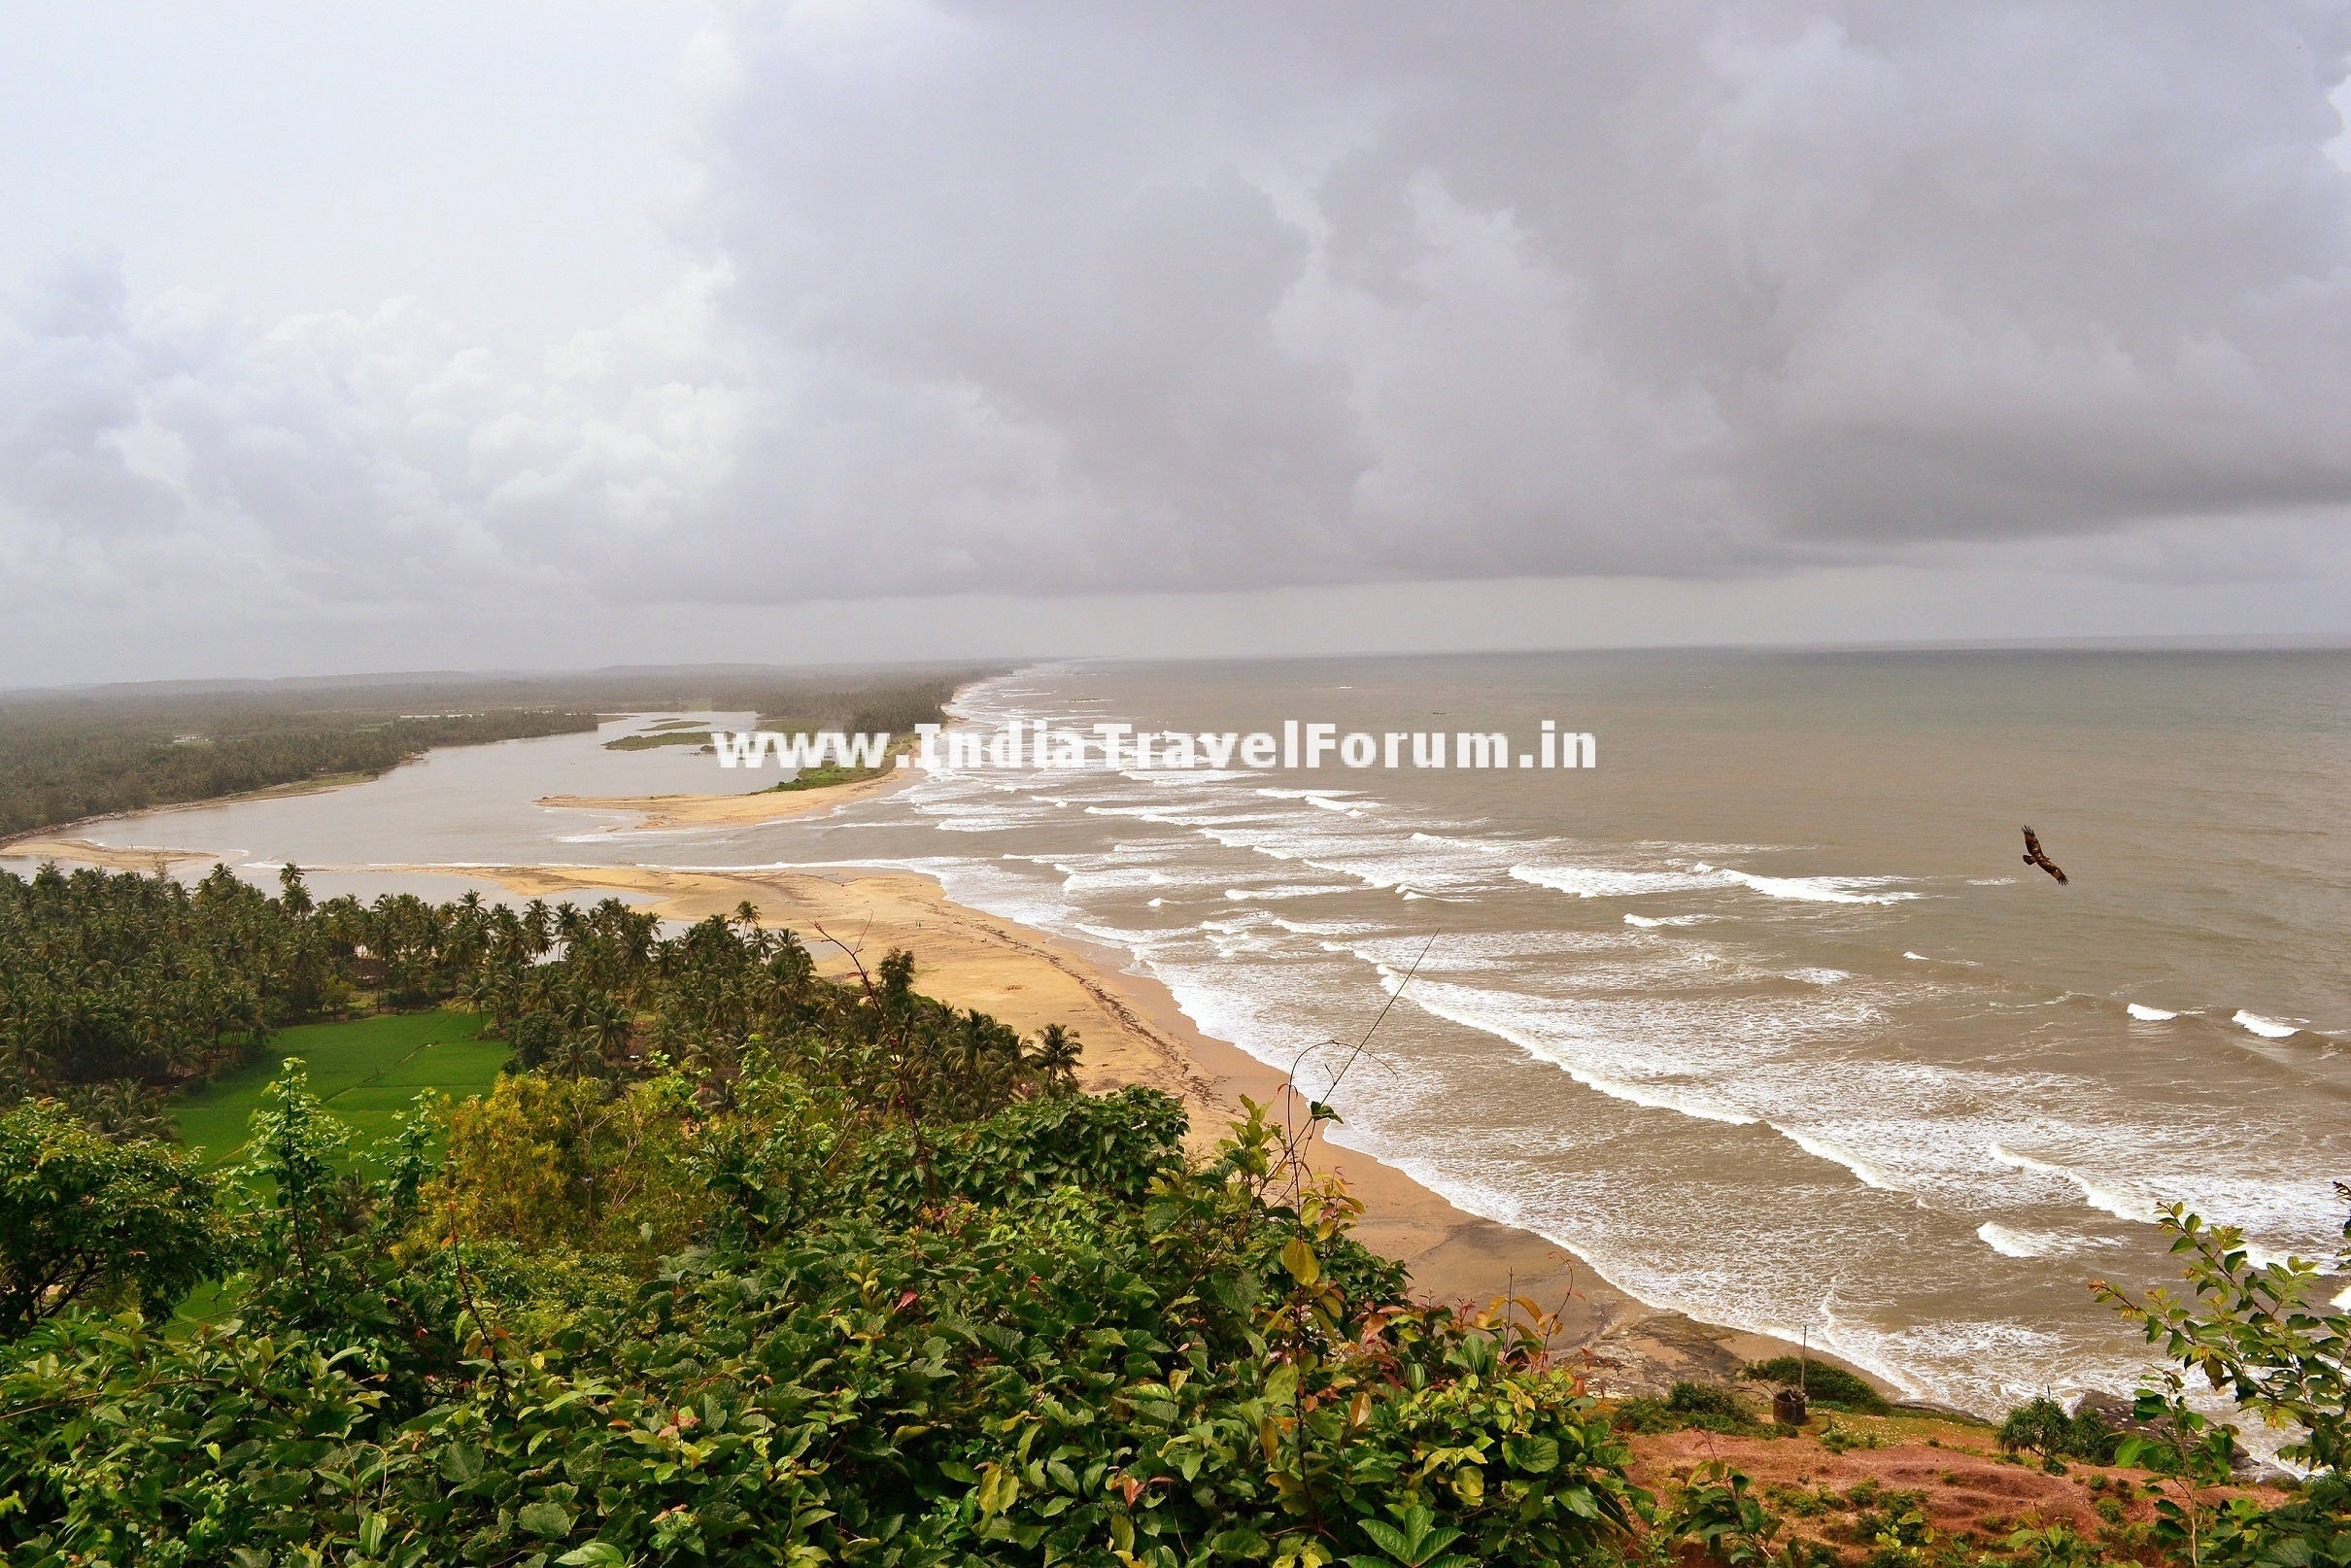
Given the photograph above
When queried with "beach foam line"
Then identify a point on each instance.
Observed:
(1651, 921)
(2267, 1028)
(1816, 888)
(1307, 891)
(2148, 1015)
(1820, 1148)
(2122, 1206)
(2010, 1242)
(1595, 882)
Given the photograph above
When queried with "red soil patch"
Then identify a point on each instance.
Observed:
(1967, 1490)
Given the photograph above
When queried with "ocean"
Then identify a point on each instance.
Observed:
(1762, 1015)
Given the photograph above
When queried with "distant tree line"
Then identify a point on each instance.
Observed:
(62, 767)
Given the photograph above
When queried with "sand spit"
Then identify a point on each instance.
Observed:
(748, 810)
(151, 862)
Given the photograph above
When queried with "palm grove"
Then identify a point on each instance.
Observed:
(741, 1263)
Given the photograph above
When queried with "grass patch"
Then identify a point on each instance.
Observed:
(824, 778)
(367, 1070)
(648, 739)
(1690, 1405)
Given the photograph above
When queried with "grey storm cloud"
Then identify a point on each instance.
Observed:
(1071, 298)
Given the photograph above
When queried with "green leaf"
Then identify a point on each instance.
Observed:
(461, 1462)
(999, 1489)
(1537, 1455)
(595, 1555)
(550, 1520)
(1298, 1258)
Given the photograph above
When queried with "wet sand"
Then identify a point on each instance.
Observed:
(1132, 1033)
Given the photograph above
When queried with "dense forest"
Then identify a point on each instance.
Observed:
(745, 1264)
(68, 755)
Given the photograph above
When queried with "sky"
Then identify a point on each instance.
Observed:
(338, 338)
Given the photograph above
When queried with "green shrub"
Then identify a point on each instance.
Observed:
(1687, 1406)
(1831, 1386)
(90, 1222)
(1645, 1414)
(2043, 1426)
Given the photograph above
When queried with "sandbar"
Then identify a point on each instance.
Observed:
(748, 810)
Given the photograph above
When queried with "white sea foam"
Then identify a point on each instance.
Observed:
(1819, 977)
(2148, 1015)
(1307, 889)
(2016, 1243)
(1816, 889)
(2267, 1028)
(1476, 1010)
(1666, 920)
(2129, 1206)
(1821, 1148)
(1595, 882)
(2011, 1244)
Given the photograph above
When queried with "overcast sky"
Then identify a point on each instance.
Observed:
(337, 337)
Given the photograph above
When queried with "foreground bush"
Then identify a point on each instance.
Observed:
(87, 1221)
(1064, 1343)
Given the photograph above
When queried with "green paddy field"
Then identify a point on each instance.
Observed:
(365, 1071)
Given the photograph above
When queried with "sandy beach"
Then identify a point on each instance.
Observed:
(1133, 1032)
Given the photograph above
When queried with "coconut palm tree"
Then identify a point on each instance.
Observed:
(1054, 1059)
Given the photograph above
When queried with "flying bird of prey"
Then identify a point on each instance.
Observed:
(2034, 857)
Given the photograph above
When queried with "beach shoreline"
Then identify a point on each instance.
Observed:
(1133, 1032)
